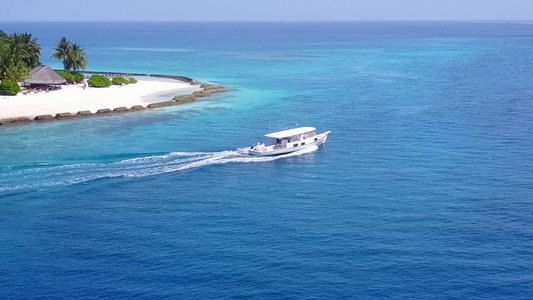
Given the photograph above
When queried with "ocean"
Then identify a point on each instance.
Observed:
(424, 189)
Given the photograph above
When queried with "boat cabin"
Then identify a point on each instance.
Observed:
(291, 137)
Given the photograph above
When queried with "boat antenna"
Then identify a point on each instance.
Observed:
(264, 127)
(258, 137)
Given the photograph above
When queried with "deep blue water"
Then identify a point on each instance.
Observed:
(424, 189)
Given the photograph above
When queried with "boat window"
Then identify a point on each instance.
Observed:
(295, 145)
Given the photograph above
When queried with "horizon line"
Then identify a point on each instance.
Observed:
(268, 21)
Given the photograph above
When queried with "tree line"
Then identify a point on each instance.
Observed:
(19, 53)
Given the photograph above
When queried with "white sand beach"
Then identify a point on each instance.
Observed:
(73, 98)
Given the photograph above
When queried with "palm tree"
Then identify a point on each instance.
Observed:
(62, 48)
(73, 56)
(33, 50)
(77, 58)
(10, 67)
(18, 54)
(23, 48)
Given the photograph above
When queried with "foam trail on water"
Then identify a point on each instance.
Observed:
(44, 175)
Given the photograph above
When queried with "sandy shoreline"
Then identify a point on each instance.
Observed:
(73, 98)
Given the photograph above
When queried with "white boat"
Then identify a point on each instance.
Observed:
(287, 141)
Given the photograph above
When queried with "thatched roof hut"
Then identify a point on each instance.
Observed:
(44, 75)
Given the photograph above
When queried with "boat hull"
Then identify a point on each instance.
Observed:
(319, 142)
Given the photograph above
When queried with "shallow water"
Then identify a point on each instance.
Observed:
(423, 189)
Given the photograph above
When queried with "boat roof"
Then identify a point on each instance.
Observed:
(290, 132)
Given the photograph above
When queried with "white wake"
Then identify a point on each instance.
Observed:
(45, 175)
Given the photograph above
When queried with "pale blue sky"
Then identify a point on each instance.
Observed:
(264, 10)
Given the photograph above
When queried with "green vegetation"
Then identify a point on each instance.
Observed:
(62, 49)
(99, 81)
(132, 80)
(119, 80)
(19, 53)
(73, 56)
(77, 58)
(78, 77)
(71, 77)
(9, 87)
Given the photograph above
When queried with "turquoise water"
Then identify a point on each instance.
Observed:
(423, 190)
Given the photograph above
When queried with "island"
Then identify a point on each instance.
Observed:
(41, 94)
